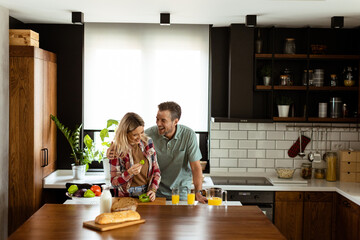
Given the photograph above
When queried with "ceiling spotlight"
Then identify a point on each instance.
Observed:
(164, 18)
(337, 22)
(77, 17)
(250, 21)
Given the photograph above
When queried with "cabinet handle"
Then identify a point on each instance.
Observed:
(45, 153)
(299, 195)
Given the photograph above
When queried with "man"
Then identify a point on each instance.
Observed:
(177, 152)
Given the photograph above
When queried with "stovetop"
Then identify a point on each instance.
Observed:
(258, 181)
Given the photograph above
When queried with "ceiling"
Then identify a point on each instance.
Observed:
(279, 13)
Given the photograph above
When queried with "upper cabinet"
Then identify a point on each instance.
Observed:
(304, 65)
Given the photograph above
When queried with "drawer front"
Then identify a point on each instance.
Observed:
(357, 177)
(348, 156)
(348, 166)
(347, 176)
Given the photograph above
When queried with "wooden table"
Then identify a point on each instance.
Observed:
(65, 221)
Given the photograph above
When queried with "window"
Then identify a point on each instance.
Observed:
(134, 67)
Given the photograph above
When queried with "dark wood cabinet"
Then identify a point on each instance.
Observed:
(305, 215)
(318, 215)
(32, 148)
(347, 219)
(238, 93)
(341, 51)
(289, 214)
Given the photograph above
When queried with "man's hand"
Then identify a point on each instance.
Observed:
(200, 198)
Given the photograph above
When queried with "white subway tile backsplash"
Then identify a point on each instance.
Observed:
(216, 134)
(219, 170)
(238, 135)
(274, 154)
(256, 170)
(247, 126)
(247, 163)
(265, 144)
(256, 153)
(236, 153)
(237, 170)
(260, 147)
(228, 143)
(228, 162)
(214, 143)
(272, 135)
(349, 136)
(265, 163)
(214, 162)
(284, 144)
(284, 163)
(256, 135)
(219, 153)
(215, 126)
(266, 126)
(229, 126)
(291, 135)
(247, 144)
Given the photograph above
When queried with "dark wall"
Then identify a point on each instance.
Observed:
(67, 42)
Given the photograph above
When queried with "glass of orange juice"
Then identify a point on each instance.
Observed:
(175, 197)
(191, 197)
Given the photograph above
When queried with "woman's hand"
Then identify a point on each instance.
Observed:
(135, 169)
(151, 195)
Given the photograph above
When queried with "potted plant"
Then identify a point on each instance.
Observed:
(283, 104)
(266, 74)
(82, 157)
(106, 142)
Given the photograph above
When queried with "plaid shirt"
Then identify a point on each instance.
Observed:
(121, 179)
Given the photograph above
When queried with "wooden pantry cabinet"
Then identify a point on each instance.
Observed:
(304, 215)
(32, 134)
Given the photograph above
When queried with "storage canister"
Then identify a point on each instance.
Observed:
(306, 170)
(335, 107)
(289, 47)
(331, 159)
(322, 110)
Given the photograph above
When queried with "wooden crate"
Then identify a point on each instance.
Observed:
(23, 37)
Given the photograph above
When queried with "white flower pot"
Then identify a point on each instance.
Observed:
(266, 80)
(78, 171)
(283, 110)
(106, 165)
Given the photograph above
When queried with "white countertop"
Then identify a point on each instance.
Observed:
(59, 178)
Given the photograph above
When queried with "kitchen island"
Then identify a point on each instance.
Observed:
(65, 221)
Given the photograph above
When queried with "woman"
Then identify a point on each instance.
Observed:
(130, 176)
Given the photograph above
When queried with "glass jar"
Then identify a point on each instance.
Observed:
(333, 80)
(289, 47)
(319, 173)
(331, 159)
(306, 170)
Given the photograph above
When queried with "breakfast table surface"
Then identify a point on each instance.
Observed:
(65, 221)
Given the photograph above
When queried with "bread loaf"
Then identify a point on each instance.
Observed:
(123, 204)
(117, 217)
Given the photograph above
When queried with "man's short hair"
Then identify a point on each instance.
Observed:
(173, 107)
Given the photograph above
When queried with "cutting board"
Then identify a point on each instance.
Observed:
(106, 227)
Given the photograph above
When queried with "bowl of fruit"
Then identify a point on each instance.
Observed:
(83, 192)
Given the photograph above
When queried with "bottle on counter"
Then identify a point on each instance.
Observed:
(105, 199)
(331, 159)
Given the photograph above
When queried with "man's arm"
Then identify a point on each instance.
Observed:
(197, 180)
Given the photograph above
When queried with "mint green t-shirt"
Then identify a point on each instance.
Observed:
(174, 157)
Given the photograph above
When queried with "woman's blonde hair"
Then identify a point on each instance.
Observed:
(128, 123)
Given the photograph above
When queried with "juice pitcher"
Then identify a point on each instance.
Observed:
(215, 196)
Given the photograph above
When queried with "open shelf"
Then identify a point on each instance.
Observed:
(328, 88)
(317, 119)
(289, 119)
(291, 88)
(263, 87)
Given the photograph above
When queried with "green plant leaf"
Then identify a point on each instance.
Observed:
(104, 134)
(111, 122)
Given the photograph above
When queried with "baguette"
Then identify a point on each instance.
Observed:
(123, 204)
(117, 217)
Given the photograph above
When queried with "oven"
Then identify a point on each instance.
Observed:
(263, 199)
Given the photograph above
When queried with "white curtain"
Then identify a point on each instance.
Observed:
(134, 67)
